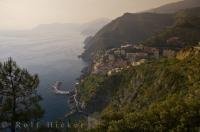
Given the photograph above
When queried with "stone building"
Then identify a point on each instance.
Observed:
(133, 57)
(111, 57)
(169, 53)
(120, 52)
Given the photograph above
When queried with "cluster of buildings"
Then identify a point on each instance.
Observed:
(115, 59)
(133, 53)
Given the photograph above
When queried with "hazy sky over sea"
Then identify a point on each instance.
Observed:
(22, 14)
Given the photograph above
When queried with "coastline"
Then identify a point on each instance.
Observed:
(86, 70)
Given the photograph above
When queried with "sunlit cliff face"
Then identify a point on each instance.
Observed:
(20, 14)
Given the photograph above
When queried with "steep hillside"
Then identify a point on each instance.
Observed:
(129, 27)
(177, 6)
(184, 32)
(161, 95)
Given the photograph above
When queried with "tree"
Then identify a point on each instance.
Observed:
(19, 91)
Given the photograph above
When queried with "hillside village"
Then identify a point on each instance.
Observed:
(115, 59)
(161, 95)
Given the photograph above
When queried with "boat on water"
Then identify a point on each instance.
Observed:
(56, 88)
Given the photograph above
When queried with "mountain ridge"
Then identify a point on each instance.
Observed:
(131, 27)
(176, 6)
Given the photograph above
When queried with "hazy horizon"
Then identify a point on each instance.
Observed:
(26, 14)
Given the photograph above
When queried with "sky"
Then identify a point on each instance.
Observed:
(25, 14)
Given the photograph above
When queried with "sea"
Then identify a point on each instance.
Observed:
(53, 55)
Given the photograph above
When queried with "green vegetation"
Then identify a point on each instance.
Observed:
(162, 95)
(20, 101)
(97, 89)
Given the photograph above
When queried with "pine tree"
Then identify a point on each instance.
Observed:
(19, 91)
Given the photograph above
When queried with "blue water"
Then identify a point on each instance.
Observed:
(53, 56)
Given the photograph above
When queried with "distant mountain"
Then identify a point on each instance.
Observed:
(86, 29)
(131, 27)
(174, 7)
(91, 28)
(58, 27)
